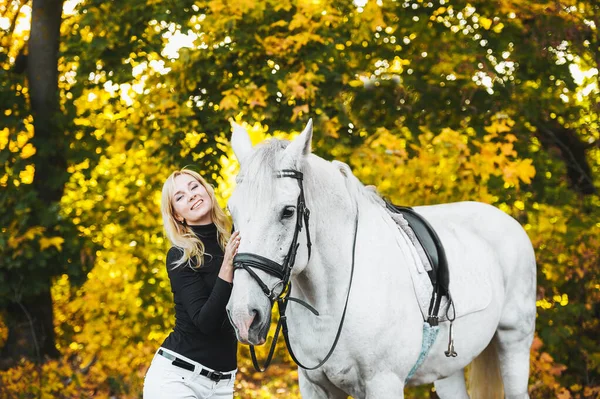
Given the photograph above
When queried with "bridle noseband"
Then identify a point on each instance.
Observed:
(249, 261)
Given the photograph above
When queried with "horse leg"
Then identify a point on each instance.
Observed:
(452, 387)
(513, 353)
(384, 385)
(514, 336)
(318, 388)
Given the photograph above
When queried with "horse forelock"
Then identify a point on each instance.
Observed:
(256, 179)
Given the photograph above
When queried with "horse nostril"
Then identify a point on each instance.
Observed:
(255, 317)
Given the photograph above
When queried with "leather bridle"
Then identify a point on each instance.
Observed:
(249, 261)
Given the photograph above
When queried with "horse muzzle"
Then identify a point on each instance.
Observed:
(250, 328)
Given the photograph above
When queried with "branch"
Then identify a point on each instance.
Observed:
(578, 170)
(13, 23)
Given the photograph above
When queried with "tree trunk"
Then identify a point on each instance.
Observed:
(30, 331)
(30, 319)
(42, 73)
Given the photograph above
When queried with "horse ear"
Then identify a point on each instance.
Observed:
(301, 144)
(240, 142)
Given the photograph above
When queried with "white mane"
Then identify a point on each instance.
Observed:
(356, 188)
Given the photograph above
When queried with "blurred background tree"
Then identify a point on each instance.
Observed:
(430, 101)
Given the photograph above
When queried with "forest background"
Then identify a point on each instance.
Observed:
(430, 101)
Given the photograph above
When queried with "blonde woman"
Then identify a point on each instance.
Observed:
(198, 358)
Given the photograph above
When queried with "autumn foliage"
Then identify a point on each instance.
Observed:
(430, 102)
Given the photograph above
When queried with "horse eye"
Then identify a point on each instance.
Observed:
(288, 212)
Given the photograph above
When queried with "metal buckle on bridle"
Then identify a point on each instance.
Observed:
(272, 296)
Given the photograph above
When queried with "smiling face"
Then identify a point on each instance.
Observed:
(191, 202)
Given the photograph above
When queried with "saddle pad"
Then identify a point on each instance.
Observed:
(431, 244)
(470, 287)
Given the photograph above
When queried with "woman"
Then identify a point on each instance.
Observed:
(198, 358)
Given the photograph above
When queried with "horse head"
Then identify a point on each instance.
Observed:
(269, 211)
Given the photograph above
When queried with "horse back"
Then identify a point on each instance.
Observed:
(486, 248)
(500, 231)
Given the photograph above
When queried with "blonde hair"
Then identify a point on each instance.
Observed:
(180, 234)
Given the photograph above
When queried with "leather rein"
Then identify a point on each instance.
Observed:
(248, 261)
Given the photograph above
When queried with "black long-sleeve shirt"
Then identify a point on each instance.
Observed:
(202, 330)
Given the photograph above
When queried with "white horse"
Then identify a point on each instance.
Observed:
(491, 266)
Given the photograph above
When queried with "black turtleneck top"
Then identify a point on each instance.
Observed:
(202, 330)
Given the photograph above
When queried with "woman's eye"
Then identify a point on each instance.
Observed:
(178, 198)
(288, 212)
(194, 187)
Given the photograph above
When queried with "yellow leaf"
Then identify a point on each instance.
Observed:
(32, 232)
(485, 22)
(4, 138)
(22, 139)
(525, 171)
(299, 110)
(502, 127)
(56, 242)
(14, 242)
(28, 151)
(331, 126)
(564, 394)
(258, 97)
(26, 175)
(576, 387)
(507, 149)
(297, 90)
(298, 21)
(230, 101)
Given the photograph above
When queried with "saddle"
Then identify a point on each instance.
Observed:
(434, 250)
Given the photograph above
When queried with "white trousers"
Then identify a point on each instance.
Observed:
(166, 381)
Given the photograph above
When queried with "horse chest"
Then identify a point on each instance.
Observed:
(344, 376)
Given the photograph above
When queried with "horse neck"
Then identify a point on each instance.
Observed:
(325, 282)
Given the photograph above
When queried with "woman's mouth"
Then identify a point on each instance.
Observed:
(196, 204)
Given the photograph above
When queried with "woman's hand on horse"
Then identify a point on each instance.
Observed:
(226, 272)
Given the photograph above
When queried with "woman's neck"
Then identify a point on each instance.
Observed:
(205, 230)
